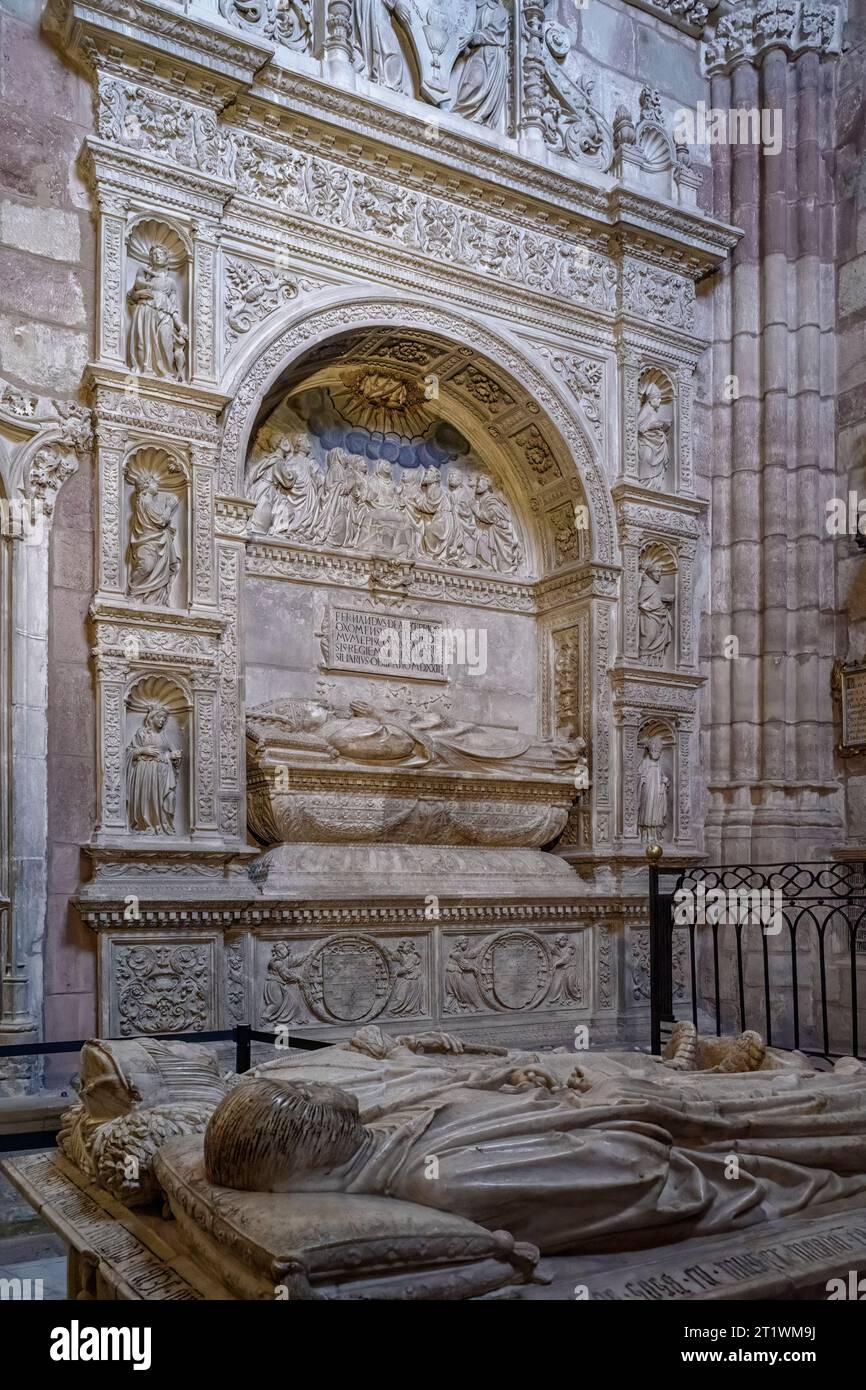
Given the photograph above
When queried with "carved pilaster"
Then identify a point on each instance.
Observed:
(685, 605)
(110, 280)
(203, 578)
(631, 541)
(685, 469)
(111, 813)
(231, 759)
(204, 345)
(629, 372)
(600, 767)
(630, 723)
(532, 75)
(205, 760)
(684, 781)
(110, 491)
(338, 37)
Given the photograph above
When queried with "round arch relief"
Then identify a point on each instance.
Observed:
(553, 423)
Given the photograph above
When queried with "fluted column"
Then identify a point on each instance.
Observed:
(773, 793)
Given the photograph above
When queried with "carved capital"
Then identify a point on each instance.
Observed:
(797, 26)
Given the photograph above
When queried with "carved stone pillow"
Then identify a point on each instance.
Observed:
(269, 1245)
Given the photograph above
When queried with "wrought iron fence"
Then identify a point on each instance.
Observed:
(780, 948)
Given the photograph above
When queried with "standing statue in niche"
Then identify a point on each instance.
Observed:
(157, 334)
(653, 445)
(656, 619)
(152, 558)
(652, 794)
(483, 82)
(151, 777)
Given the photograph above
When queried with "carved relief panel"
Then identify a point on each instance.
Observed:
(515, 971)
(347, 979)
(158, 984)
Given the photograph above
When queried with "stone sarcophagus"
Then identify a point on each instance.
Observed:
(360, 776)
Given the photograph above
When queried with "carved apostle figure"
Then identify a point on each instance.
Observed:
(430, 508)
(157, 334)
(152, 558)
(151, 777)
(484, 77)
(497, 545)
(463, 545)
(386, 526)
(337, 522)
(653, 447)
(652, 794)
(295, 491)
(656, 618)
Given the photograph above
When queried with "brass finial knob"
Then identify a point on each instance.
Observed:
(654, 853)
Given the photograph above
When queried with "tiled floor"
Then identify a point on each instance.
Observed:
(28, 1250)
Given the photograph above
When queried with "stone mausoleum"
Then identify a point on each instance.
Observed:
(419, 426)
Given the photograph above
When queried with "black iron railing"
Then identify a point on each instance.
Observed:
(780, 948)
(243, 1037)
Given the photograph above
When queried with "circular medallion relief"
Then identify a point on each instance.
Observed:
(347, 979)
(515, 970)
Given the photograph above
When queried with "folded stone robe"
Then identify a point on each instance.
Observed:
(646, 1156)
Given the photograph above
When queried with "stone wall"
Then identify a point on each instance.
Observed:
(47, 275)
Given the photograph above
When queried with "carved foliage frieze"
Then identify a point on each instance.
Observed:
(351, 199)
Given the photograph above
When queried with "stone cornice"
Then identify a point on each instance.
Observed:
(105, 29)
(202, 60)
(207, 910)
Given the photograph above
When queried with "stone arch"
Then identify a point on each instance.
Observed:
(282, 343)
